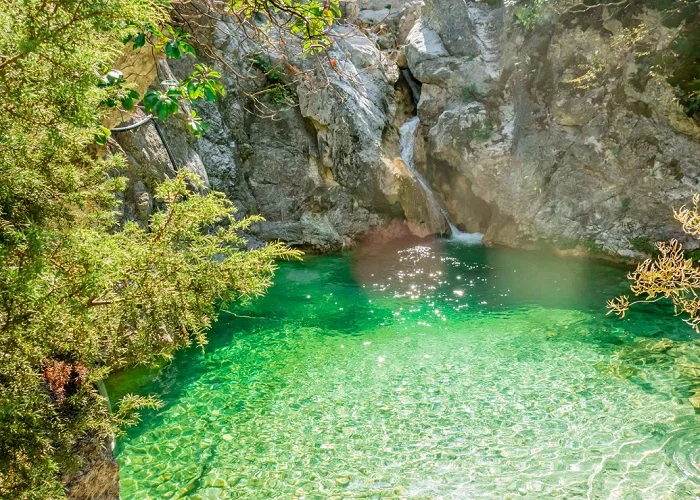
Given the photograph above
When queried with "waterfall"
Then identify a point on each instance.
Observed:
(407, 135)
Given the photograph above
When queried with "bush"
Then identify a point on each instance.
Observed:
(80, 296)
(530, 14)
(671, 275)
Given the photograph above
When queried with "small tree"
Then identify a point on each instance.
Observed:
(671, 275)
(79, 296)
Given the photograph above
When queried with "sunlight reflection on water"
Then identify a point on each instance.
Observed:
(425, 370)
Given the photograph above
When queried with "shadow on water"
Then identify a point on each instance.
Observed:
(317, 292)
(474, 279)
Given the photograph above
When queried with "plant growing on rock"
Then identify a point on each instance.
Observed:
(668, 48)
(671, 275)
(529, 14)
(482, 129)
(470, 93)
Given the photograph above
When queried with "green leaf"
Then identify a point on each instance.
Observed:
(192, 90)
(175, 93)
(173, 107)
(162, 111)
(150, 100)
(187, 49)
(172, 50)
(127, 103)
(102, 136)
(139, 41)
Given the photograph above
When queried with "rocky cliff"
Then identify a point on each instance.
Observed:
(317, 157)
(554, 134)
(550, 134)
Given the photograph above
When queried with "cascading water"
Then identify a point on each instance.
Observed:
(407, 134)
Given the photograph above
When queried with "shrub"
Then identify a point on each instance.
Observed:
(671, 275)
(481, 130)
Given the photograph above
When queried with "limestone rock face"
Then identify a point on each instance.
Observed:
(553, 135)
(320, 167)
(520, 147)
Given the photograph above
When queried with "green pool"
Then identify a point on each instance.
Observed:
(425, 370)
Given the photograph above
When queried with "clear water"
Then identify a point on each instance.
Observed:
(432, 370)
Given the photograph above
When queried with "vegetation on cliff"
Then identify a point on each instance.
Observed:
(676, 57)
(80, 294)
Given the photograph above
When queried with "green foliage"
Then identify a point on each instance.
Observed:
(280, 95)
(80, 296)
(644, 245)
(163, 104)
(625, 204)
(470, 93)
(481, 129)
(195, 124)
(676, 58)
(276, 90)
(203, 83)
(177, 44)
(307, 21)
(592, 247)
(273, 73)
(530, 13)
(172, 40)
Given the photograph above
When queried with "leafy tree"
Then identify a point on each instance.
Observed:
(80, 296)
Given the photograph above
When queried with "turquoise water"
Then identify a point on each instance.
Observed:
(430, 370)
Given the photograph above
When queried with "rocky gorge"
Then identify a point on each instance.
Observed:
(553, 135)
(312, 248)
